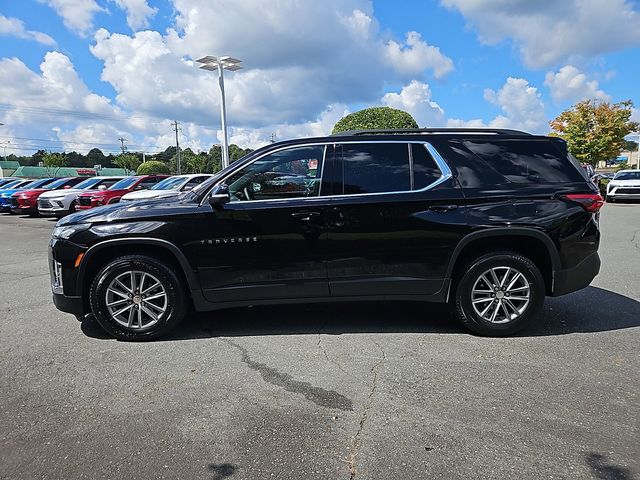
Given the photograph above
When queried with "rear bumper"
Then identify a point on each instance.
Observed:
(576, 278)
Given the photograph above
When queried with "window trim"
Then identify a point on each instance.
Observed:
(445, 171)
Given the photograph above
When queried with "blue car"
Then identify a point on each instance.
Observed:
(5, 193)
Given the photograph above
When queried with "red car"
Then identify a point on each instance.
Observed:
(114, 193)
(26, 201)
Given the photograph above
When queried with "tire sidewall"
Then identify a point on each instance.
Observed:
(481, 265)
(175, 297)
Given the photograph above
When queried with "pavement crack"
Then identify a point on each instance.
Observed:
(317, 395)
(356, 441)
(320, 345)
(635, 240)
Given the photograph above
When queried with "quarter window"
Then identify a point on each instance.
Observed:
(292, 173)
(425, 170)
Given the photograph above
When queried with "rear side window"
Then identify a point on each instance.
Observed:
(526, 161)
(375, 167)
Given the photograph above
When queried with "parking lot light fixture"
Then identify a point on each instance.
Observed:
(220, 64)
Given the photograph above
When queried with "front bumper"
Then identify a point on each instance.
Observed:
(73, 305)
(65, 287)
(624, 193)
(576, 278)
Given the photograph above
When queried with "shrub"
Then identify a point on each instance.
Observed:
(153, 166)
(375, 118)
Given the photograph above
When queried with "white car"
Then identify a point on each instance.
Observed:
(58, 203)
(169, 187)
(625, 185)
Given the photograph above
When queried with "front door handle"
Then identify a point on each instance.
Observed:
(305, 216)
(443, 208)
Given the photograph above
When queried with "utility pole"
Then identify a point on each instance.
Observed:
(176, 127)
(273, 138)
(122, 140)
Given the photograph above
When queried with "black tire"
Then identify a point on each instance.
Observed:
(463, 300)
(72, 207)
(176, 299)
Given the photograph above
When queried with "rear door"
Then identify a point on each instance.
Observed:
(396, 219)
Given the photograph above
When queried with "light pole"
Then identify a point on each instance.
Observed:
(220, 64)
(4, 147)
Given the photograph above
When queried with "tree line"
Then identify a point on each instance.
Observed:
(163, 162)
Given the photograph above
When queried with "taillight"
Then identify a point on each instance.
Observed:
(591, 202)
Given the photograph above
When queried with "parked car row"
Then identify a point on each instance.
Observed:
(57, 197)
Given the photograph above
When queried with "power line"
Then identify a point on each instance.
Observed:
(115, 145)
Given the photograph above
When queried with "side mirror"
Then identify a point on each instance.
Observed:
(102, 187)
(219, 196)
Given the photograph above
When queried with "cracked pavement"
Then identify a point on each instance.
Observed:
(329, 391)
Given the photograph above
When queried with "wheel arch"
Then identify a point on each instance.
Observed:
(100, 254)
(532, 243)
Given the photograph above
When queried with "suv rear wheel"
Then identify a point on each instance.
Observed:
(499, 293)
(137, 298)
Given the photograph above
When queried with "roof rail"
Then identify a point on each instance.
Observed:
(408, 131)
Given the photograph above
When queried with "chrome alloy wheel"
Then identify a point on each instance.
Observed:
(500, 295)
(136, 300)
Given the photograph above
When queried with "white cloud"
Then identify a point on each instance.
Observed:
(520, 103)
(416, 56)
(55, 104)
(138, 12)
(569, 83)
(293, 69)
(77, 15)
(415, 98)
(15, 28)
(550, 31)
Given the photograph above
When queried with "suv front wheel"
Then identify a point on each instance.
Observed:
(499, 293)
(136, 297)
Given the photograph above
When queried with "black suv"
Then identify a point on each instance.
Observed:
(488, 220)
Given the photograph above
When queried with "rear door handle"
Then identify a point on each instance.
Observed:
(442, 208)
(305, 216)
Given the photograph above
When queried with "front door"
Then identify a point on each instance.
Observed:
(269, 242)
(395, 222)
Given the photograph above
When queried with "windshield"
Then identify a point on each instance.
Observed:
(36, 183)
(627, 176)
(124, 183)
(57, 183)
(11, 184)
(169, 183)
(88, 183)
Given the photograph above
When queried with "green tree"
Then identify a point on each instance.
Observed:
(53, 162)
(153, 166)
(128, 162)
(375, 118)
(196, 163)
(595, 130)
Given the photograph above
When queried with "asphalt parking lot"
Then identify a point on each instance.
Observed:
(371, 391)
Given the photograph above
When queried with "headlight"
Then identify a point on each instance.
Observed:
(67, 231)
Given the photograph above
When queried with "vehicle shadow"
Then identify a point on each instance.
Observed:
(590, 310)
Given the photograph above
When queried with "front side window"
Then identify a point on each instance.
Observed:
(292, 173)
(375, 168)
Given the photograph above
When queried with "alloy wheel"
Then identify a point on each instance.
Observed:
(501, 294)
(136, 300)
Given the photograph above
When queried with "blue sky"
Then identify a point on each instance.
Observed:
(83, 73)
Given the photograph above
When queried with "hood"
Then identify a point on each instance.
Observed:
(626, 183)
(103, 193)
(11, 191)
(148, 194)
(63, 192)
(144, 209)
(32, 191)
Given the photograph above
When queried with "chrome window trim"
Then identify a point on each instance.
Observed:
(442, 165)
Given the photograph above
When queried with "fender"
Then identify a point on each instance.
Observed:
(192, 279)
(502, 232)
